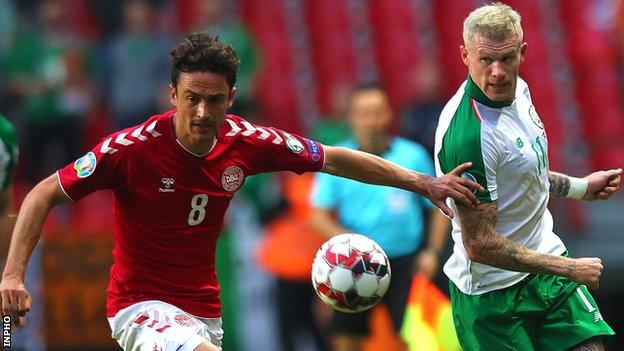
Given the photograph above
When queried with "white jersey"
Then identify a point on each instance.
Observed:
(508, 148)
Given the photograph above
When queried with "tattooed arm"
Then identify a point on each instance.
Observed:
(598, 185)
(484, 245)
(559, 184)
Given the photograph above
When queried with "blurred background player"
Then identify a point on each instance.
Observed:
(216, 17)
(173, 178)
(135, 60)
(29, 337)
(513, 284)
(8, 161)
(47, 76)
(395, 219)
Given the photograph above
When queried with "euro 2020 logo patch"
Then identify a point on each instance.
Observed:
(469, 176)
(293, 144)
(85, 166)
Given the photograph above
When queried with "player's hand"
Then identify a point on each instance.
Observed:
(427, 263)
(602, 184)
(454, 186)
(586, 271)
(15, 299)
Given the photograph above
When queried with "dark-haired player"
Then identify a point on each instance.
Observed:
(173, 178)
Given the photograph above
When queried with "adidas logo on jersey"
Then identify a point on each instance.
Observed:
(168, 183)
(121, 139)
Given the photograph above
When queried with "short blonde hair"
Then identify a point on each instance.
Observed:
(496, 22)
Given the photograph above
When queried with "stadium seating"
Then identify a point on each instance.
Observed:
(277, 95)
(598, 90)
(331, 49)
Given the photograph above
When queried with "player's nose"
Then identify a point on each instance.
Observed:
(497, 70)
(202, 111)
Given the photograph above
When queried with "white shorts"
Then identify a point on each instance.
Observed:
(159, 326)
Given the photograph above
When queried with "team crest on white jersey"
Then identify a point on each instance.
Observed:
(168, 183)
(85, 166)
(232, 178)
(535, 118)
(185, 320)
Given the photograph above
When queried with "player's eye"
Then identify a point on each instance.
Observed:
(191, 98)
(217, 99)
(486, 60)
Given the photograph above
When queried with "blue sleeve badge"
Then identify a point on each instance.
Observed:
(85, 166)
(315, 152)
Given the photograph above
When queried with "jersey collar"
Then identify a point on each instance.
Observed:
(477, 94)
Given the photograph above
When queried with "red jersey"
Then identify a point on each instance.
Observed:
(169, 203)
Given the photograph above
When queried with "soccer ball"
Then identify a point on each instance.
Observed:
(350, 273)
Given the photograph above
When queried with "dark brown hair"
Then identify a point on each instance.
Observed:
(202, 52)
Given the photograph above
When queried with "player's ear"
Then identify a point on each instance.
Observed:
(231, 97)
(523, 51)
(173, 94)
(463, 51)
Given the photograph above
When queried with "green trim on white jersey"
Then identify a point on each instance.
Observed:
(462, 144)
(507, 145)
(8, 152)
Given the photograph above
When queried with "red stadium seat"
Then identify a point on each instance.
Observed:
(276, 82)
(448, 16)
(397, 47)
(599, 95)
(331, 49)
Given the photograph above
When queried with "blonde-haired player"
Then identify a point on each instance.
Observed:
(513, 286)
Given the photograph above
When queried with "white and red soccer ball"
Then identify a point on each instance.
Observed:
(350, 273)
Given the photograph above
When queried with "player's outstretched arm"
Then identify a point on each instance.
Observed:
(372, 169)
(34, 210)
(596, 186)
(485, 246)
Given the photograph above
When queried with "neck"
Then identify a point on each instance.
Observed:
(476, 93)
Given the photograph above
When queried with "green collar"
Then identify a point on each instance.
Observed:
(475, 92)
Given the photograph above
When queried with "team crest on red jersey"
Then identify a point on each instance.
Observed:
(232, 178)
(185, 320)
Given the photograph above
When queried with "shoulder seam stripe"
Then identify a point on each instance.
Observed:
(235, 128)
(137, 134)
(263, 133)
(474, 108)
(250, 129)
(150, 129)
(120, 139)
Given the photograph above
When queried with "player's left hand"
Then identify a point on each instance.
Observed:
(602, 184)
(427, 263)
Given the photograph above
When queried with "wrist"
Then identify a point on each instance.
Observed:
(578, 188)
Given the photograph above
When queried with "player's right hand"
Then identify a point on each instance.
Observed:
(587, 271)
(15, 299)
